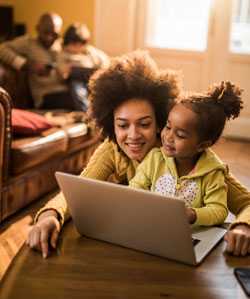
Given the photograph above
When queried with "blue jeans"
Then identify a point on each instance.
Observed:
(79, 95)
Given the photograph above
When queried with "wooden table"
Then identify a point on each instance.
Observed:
(86, 268)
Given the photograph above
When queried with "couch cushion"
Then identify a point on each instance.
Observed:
(77, 136)
(30, 151)
(27, 123)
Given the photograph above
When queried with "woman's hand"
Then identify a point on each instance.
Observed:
(191, 215)
(44, 233)
(238, 240)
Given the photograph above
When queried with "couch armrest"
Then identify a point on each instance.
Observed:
(16, 84)
(5, 134)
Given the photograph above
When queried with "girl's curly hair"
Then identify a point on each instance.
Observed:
(76, 33)
(134, 75)
(222, 102)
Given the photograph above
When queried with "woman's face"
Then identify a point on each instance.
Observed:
(135, 128)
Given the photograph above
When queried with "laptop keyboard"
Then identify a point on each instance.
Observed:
(195, 241)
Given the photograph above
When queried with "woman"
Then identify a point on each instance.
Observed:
(128, 102)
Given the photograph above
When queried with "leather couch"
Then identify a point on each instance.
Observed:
(28, 164)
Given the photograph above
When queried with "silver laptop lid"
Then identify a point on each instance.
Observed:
(129, 217)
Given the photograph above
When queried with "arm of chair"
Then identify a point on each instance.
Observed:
(5, 134)
(16, 84)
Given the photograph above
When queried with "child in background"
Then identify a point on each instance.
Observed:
(78, 61)
(185, 166)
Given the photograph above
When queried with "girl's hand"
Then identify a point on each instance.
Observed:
(191, 215)
(44, 233)
(238, 240)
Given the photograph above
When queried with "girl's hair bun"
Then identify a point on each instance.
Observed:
(228, 96)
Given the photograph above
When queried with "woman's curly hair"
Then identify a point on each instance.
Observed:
(134, 75)
(222, 102)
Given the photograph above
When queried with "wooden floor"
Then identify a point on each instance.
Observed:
(14, 231)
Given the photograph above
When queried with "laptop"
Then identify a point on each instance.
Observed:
(137, 219)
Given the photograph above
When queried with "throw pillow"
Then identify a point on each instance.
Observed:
(28, 123)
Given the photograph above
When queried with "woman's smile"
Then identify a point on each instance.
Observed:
(135, 128)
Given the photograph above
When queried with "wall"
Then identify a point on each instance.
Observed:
(115, 25)
(28, 12)
(199, 69)
(6, 2)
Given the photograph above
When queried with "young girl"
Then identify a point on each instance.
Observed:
(78, 53)
(78, 61)
(184, 166)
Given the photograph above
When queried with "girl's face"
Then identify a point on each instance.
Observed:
(75, 48)
(135, 128)
(179, 137)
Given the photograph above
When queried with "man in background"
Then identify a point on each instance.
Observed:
(37, 56)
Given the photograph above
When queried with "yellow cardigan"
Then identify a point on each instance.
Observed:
(204, 188)
(109, 163)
